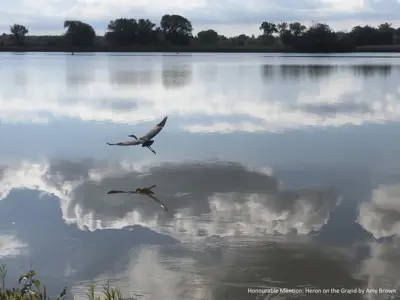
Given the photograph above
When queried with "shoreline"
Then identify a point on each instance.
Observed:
(192, 49)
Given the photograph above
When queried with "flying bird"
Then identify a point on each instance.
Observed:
(142, 191)
(146, 140)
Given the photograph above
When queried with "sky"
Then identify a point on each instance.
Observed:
(228, 17)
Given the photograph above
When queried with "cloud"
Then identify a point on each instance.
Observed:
(11, 246)
(226, 269)
(381, 215)
(204, 199)
(155, 279)
(317, 95)
(48, 15)
(382, 268)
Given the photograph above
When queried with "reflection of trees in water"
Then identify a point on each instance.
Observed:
(267, 71)
(20, 78)
(349, 107)
(176, 75)
(312, 71)
(283, 265)
(80, 70)
(371, 70)
(19, 74)
(208, 73)
(294, 72)
(131, 77)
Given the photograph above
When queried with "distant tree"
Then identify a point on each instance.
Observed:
(364, 35)
(79, 33)
(268, 29)
(385, 27)
(208, 37)
(18, 33)
(122, 31)
(282, 27)
(177, 29)
(297, 28)
(385, 34)
(284, 32)
(145, 32)
(222, 38)
(321, 38)
(240, 40)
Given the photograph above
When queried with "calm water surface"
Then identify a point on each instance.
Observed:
(277, 171)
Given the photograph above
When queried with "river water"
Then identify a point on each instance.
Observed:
(278, 172)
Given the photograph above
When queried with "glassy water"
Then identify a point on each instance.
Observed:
(278, 172)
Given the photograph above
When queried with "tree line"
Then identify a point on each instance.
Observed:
(177, 31)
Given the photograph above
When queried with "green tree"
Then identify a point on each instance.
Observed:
(268, 29)
(284, 32)
(145, 32)
(282, 28)
(240, 40)
(208, 37)
(18, 33)
(79, 33)
(122, 31)
(297, 28)
(385, 34)
(177, 29)
(321, 38)
(364, 35)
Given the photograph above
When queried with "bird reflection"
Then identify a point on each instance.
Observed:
(142, 191)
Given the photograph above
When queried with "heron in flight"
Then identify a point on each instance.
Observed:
(142, 191)
(146, 140)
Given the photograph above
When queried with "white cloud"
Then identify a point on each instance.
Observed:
(381, 215)
(99, 94)
(215, 206)
(146, 273)
(382, 268)
(227, 268)
(11, 246)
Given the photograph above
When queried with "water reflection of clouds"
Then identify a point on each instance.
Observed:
(80, 71)
(127, 71)
(148, 274)
(203, 199)
(11, 246)
(328, 100)
(231, 267)
(176, 74)
(381, 217)
(295, 72)
(382, 268)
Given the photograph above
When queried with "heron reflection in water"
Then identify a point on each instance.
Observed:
(146, 140)
(142, 191)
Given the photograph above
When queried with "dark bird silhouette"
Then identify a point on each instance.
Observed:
(142, 191)
(146, 140)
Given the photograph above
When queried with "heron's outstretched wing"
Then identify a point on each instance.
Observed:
(155, 130)
(127, 143)
(158, 201)
(117, 192)
(151, 187)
